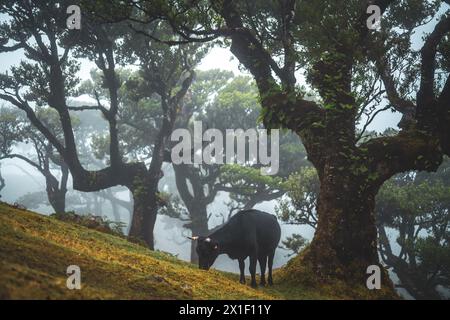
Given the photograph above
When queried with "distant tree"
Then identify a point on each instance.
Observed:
(197, 184)
(15, 130)
(417, 207)
(48, 78)
(2, 181)
(237, 107)
(8, 124)
(222, 103)
(299, 207)
(247, 187)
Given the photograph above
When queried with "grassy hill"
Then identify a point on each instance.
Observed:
(36, 250)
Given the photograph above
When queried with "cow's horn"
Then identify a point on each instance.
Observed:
(193, 238)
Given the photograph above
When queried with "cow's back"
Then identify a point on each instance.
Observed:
(262, 227)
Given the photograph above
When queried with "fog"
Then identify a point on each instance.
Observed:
(169, 232)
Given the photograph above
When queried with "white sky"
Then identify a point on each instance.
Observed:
(220, 58)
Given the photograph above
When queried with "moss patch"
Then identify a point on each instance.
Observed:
(298, 282)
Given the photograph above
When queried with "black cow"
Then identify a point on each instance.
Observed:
(249, 233)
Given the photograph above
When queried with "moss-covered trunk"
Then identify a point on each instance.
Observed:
(344, 243)
(145, 208)
(144, 217)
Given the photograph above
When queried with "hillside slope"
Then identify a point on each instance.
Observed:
(36, 250)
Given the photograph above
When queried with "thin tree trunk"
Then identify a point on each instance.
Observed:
(56, 193)
(198, 227)
(2, 182)
(97, 206)
(58, 201)
(115, 210)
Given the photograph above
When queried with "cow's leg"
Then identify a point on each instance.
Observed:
(262, 259)
(242, 269)
(253, 270)
(270, 263)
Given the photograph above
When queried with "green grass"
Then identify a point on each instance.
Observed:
(36, 250)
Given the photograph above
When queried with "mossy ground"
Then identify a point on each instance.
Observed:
(296, 281)
(36, 250)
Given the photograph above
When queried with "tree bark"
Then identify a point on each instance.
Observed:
(144, 216)
(146, 202)
(145, 208)
(344, 244)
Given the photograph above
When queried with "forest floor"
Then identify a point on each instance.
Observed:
(35, 251)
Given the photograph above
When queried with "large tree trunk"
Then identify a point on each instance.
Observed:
(145, 209)
(344, 243)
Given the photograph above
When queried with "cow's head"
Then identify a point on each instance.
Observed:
(207, 250)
